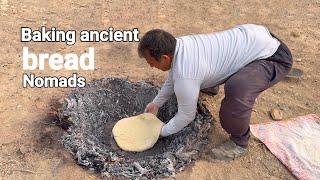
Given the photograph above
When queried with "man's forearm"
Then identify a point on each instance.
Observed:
(165, 92)
(162, 97)
(187, 92)
(177, 123)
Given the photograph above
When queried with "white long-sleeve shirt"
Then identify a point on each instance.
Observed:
(206, 60)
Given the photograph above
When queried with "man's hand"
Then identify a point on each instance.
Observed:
(152, 108)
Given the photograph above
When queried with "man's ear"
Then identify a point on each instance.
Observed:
(166, 58)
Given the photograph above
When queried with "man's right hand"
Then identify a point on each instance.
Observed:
(152, 108)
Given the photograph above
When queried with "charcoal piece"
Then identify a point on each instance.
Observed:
(91, 113)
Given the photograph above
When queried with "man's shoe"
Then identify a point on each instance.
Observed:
(228, 151)
(211, 91)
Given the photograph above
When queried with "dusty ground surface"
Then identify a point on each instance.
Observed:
(29, 147)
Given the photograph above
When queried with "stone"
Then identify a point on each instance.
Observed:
(276, 114)
(294, 34)
(24, 149)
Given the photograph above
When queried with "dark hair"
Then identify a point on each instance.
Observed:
(158, 42)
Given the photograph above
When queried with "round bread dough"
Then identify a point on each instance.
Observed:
(137, 133)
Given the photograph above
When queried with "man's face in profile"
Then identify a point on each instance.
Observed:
(164, 64)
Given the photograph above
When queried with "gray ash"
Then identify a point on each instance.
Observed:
(91, 113)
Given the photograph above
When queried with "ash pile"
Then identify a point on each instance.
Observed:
(91, 113)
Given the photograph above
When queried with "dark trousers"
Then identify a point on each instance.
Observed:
(243, 87)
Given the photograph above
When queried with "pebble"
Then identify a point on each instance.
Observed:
(43, 23)
(61, 101)
(294, 34)
(276, 114)
(24, 149)
(29, 20)
(298, 60)
(284, 107)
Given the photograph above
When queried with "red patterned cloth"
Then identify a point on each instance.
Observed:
(295, 142)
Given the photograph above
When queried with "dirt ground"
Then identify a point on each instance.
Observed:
(29, 147)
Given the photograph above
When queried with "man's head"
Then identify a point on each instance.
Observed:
(157, 47)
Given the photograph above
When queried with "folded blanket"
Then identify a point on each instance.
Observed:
(295, 142)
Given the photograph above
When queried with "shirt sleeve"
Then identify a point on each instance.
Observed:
(165, 92)
(187, 92)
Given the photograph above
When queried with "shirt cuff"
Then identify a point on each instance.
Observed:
(169, 129)
(158, 101)
(164, 132)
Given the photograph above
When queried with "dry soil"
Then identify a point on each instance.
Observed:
(29, 147)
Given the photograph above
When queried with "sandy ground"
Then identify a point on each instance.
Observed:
(29, 147)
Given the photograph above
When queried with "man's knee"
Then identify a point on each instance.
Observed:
(235, 116)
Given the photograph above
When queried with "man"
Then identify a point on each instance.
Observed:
(248, 59)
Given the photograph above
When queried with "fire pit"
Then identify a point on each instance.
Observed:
(91, 113)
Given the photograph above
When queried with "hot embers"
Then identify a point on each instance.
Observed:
(91, 113)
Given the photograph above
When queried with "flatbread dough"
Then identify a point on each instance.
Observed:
(137, 133)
